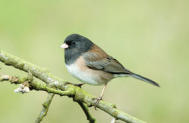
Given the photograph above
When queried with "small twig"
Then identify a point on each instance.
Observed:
(45, 108)
(4, 78)
(36, 85)
(113, 120)
(86, 111)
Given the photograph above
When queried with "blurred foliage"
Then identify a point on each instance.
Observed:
(149, 37)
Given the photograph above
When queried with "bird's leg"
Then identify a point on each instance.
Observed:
(101, 95)
(79, 85)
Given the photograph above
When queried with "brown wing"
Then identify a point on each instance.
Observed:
(99, 60)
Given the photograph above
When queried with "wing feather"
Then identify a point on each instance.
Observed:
(106, 64)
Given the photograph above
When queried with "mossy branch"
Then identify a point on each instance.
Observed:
(45, 108)
(55, 85)
(86, 111)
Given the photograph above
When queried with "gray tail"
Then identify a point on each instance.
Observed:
(144, 79)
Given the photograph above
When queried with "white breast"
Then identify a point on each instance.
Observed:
(85, 76)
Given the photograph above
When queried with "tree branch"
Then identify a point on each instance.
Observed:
(69, 90)
(86, 111)
(35, 85)
(45, 108)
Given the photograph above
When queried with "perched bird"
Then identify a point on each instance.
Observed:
(92, 65)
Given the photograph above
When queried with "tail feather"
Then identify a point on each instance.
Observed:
(144, 79)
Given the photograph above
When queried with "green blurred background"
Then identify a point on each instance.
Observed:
(149, 37)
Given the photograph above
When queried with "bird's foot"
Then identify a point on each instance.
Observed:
(78, 85)
(97, 102)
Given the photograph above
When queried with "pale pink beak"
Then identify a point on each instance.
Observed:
(64, 46)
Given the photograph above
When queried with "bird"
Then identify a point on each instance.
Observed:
(92, 65)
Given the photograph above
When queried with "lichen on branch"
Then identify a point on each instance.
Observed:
(55, 85)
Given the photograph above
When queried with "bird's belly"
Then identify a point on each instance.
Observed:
(89, 76)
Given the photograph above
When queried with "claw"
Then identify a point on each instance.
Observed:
(78, 85)
(97, 101)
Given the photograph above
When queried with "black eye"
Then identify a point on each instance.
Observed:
(69, 42)
(73, 43)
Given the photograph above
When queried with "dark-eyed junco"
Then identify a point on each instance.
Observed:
(92, 65)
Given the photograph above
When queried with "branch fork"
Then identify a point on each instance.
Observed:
(55, 86)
